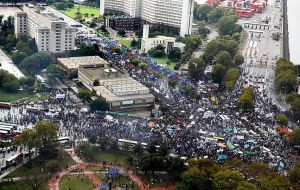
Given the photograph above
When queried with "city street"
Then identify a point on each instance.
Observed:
(262, 52)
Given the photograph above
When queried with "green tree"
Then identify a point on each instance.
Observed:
(281, 119)
(176, 167)
(17, 58)
(295, 139)
(52, 166)
(43, 137)
(239, 59)
(224, 58)
(8, 82)
(26, 139)
(245, 101)
(295, 106)
(227, 25)
(86, 150)
(142, 65)
(227, 179)
(244, 185)
(285, 75)
(202, 12)
(99, 104)
(28, 82)
(218, 73)
(196, 68)
(85, 94)
(294, 174)
(133, 43)
(60, 5)
(158, 51)
(53, 72)
(122, 33)
(36, 62)
(175, 54)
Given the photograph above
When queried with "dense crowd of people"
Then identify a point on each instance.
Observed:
(194, 128)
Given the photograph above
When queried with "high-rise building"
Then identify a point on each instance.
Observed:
(175, 13)
(50, 33)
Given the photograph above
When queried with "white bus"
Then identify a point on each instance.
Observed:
(14, 160)
(125, 142)
(63, 140)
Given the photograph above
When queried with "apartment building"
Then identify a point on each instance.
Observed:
(50, 33)
(176, 13)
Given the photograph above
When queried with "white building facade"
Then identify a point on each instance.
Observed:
(50, 33)
(175, 13)
(168, 42)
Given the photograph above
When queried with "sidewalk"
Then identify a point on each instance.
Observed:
(54, 182)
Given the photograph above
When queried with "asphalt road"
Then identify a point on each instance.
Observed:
(261, 52)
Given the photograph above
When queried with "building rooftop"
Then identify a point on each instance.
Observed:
(40, 11)
(75, 62)
(103, 71)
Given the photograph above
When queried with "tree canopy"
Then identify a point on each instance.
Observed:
(44, 137)
(36, 62)
(196, 68)
(285, 76)
(99, 104)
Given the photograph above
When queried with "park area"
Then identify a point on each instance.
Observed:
(12, 96)
(165, 61)
(90, 11)
(125, 42)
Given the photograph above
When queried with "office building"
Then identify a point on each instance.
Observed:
(123, 23)
(122, 92)
(50, 32)
(175, 13)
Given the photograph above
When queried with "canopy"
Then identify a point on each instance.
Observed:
(113, 171)
(222, 157)
(103, 186)
(230, 145)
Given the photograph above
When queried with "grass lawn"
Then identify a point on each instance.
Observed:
(8, 96)
(126, 43)
(163, 60)
(119, 157)
(34, 166)
(83, 9)
(19, 186)
(75, 183)
(37, 98)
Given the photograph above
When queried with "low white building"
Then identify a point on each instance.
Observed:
(167, 42)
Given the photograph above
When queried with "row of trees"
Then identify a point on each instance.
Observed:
(211, 14)
(62, 5)
(7, 38)
(286, 76)
(162, 29)
(294, 100)
(235, 175)
(10, 83)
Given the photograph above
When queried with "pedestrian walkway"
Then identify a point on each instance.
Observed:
(54, 182)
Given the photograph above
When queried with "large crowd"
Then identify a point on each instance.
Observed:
(195, 128)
